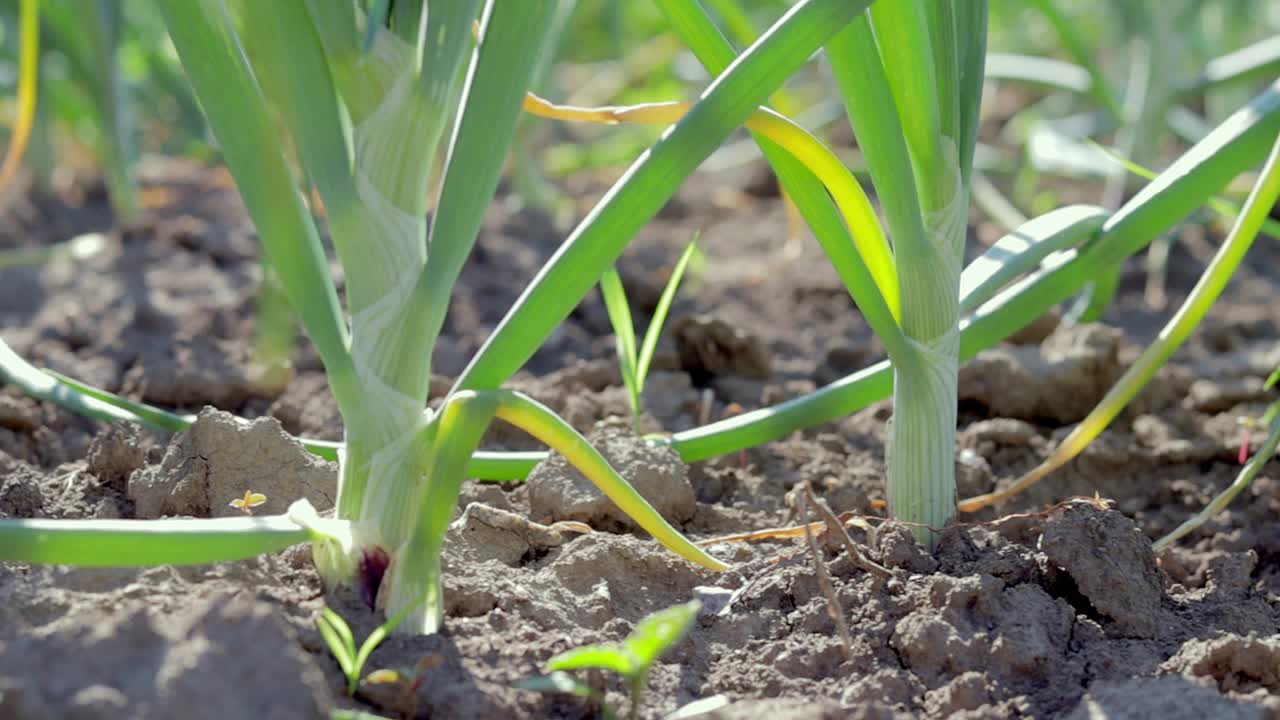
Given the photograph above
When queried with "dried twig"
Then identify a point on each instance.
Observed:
(845, 519)
(824, 581)
(777, 533)
(836, 528)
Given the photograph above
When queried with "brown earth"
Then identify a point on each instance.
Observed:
(1058, 613)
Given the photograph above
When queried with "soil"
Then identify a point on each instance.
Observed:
(1050, 606)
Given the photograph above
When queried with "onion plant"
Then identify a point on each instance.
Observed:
(365, 101)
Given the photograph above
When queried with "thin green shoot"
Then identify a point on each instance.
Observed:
(1249, 423)
(342, 645)
(1265, 452)
(633, 363)
(633, 658)
(1175, 332)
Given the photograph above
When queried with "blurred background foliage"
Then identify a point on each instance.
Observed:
(1130, 75)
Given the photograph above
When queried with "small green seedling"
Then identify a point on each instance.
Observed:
(248, 502)
(634, 364)
(337, 635)
(632, 659)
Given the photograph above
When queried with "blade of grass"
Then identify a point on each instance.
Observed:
(624, 332)
(654, 332)
(337, 636)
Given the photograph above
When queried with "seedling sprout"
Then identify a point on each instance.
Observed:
(247, 503)
(632, 659)
(634, 363)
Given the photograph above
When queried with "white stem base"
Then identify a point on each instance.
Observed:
(921, 453)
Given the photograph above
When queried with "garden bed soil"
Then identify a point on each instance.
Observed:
(1051, 606)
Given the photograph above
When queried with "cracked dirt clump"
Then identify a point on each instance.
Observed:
(115, 453)
(1060, 380)
(1233, 663)
(557, 491)
(1167, 697)
(488, 533)
(220, 457)
(1102, 550)
(19, 497)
